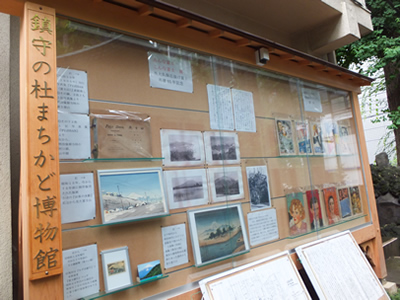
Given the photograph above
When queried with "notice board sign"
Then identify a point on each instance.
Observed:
(338, 269)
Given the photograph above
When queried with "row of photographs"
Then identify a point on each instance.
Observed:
(194, 148)
(132, 194)
(340, 203)
(325, 137)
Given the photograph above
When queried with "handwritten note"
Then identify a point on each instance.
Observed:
(81, 272)
(338, 269)
(312, 100)
(174, 245)
(220, 107)
(77, 197)
(263, 226)
(243, 105)
(274, 278)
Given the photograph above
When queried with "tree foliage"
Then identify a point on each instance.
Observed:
(381, 51)
(383, 44)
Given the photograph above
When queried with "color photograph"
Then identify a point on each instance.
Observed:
(182, 148)
(186, 188)
(331, 205)
(131, 194)
(226, 183)
(257, 178)
(221, 148)
(314, 209)
(285, 137)
(344, 201)
(297, 214)
(317, 140)
(217, 233)
(149, 270)
(303, 137)
(355, 200)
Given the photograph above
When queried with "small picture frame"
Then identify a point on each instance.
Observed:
(260, 196)
(131, 194)
(217, 233)
(150, 270)
(344, 141)
(317, 139)
(297, 214)
(182, 148)
(284, 132)
(329, 136)
(314, 209)
(221, 148)
(226, 184)
(303, 137)
(344, 201)
(331, 205)
(116, 269)
(186, 188)
(356, 205)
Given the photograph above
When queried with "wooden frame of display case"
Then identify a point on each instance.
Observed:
(160, 22)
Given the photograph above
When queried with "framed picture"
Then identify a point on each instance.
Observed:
(344, 201)
(149, 270)
(303, 137)
(131, 194)
(116, 269)
(331, 205)
(297, 214)
(221, 148)
(217, 233)
(317, 140)
(285, 136)
(345, 141)
(226, 184)
(314, 209)
(355, 200)
(329, 136)
(186, 188)
(257, 178)
(182, 148)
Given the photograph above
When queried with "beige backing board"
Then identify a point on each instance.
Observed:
(118, 79)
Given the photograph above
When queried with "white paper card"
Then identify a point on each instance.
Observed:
(271, 278)
(339, 270)
(312, 100)
(170, 73)
(220, 107)
(77, 197)
(174, 245)
(243, 107)
(73, 136)
(263, 226)
(81, 272)
(72, 91)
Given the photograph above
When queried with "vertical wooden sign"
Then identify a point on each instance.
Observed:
(40, 180)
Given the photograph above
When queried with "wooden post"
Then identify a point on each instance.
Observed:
(40, 191)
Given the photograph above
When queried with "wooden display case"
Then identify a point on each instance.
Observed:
(117, 65)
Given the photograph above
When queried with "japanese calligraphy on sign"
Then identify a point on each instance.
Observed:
(43, 196)
(170, 73)
(175, 245)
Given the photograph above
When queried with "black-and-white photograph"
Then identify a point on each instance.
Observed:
(182, 148)
(221, 147)
(260, 196)
(186, 188)
(226, 184)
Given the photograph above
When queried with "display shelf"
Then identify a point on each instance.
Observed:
(347, 220)
(122, 159)
(222, 259)
(103, 293)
